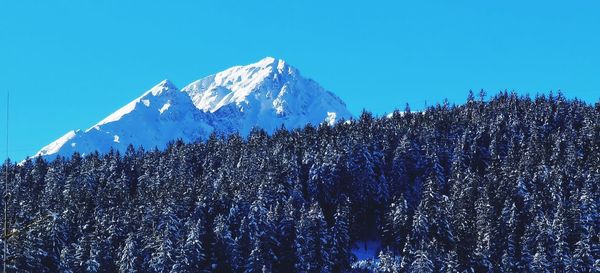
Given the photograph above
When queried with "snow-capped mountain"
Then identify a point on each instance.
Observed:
(266, 94)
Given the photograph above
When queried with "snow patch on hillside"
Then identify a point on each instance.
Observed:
(55, 146)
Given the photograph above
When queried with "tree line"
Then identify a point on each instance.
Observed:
(509, 184)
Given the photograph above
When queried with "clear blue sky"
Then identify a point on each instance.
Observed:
(69, 63)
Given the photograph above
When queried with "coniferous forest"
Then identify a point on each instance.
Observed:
(509, 184)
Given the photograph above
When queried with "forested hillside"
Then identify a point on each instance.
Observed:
(511, 184)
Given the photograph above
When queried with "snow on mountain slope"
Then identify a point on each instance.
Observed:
(158, 116)
(58, 144)
(266, 94)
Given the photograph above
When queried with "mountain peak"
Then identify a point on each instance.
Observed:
(267, 61)
(276, 65)
(162, 87)
(266, 94)
(166, 83)
(267, 77)
(269, 90)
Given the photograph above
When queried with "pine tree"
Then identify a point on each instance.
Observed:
(562, 254)
(29, 252)
(482, 253)
(508, 262)
(451, 264)
(419, 238)
(312, 242)
(388, 263)
(56, 237)
(226, 254)
(163, 254)
(397, 222)
(257, 261)
(129, 261)
(341, 255)
(421, 263)
(582, 255)
(192, 254)
(285, 215)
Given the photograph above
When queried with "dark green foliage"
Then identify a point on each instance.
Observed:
(508, 185)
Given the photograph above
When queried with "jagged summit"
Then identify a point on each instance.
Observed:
(163, 86)
(266, 61)
(265, 94)
(235, 84)
(269, 93)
